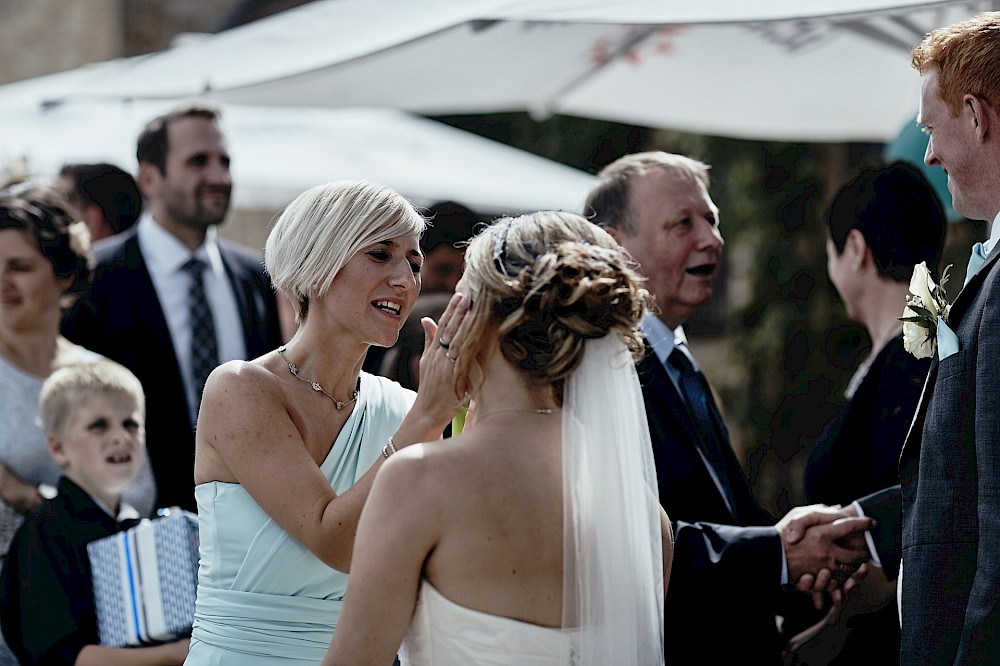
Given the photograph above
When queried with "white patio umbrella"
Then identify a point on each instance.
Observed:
(824, 70)
(279, 152)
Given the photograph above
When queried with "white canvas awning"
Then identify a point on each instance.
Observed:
(278, 152)
(824, 70)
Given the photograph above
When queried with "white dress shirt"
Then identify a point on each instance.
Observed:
(664, 341)
(164, 255)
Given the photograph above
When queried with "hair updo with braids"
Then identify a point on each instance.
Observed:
(548, 282)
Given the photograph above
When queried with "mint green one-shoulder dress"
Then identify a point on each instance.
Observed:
(262, 597)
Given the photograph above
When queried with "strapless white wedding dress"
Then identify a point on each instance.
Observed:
(443, 633)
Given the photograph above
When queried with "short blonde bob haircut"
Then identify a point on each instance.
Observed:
(544, 284)
(324, 227)
(70, 387)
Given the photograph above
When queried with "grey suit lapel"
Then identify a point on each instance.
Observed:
(971, 288)
(955, 314)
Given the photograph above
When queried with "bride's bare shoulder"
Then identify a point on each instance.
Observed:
(441, 467)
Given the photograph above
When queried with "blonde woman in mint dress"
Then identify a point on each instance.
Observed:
(288, 444)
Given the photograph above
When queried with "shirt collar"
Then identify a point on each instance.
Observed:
(165, 253)
(660, 337)
(125, 510)
(81, 502)
(994, 235)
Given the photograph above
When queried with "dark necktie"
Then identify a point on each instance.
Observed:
(695, 389)
(204, 347)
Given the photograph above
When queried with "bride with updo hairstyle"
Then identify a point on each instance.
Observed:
(533, 537)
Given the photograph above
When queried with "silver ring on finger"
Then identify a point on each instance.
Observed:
(444, 344)
(448, 356)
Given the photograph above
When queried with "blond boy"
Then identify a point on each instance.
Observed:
(94, 416)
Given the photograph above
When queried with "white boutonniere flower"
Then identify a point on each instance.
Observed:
(924, 306)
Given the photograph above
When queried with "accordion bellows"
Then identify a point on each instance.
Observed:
(145, 580)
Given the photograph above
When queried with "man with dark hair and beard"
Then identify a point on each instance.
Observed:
(170, 299)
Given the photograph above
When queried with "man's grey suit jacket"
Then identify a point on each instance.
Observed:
(950, 493)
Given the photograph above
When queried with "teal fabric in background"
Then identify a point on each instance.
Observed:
(909, 146)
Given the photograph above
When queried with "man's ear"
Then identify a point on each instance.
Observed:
(856, 249)
(149, 179)
(57, 450)
(983, 115)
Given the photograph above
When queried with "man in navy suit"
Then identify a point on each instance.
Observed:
(733, 566)
(170, 300)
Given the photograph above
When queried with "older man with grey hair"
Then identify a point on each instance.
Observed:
(731, 562)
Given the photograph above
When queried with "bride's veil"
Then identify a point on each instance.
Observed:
(613, 577)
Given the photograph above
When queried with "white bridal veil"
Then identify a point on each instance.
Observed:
(613, 575)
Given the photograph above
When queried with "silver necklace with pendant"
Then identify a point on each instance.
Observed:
(316, 386)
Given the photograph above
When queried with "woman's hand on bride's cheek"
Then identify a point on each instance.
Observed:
(439, 389)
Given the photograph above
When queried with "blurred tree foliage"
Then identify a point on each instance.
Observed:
(775, 341)
(783, 321)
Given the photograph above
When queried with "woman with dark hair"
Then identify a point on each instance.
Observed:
(880, 225)
(534, 537)
(43, 266)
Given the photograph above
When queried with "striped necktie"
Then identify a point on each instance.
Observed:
(204, 346)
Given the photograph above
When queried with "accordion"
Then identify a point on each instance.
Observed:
(145, 579)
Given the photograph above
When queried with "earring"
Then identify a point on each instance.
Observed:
(856, 268)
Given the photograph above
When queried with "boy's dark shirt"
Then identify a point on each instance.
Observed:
(46, 597)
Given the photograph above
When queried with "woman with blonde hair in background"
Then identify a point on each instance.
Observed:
(534, 537)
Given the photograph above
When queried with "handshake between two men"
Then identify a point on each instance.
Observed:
(825, 552)
(825, 546)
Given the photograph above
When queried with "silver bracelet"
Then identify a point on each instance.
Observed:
(388, 449)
